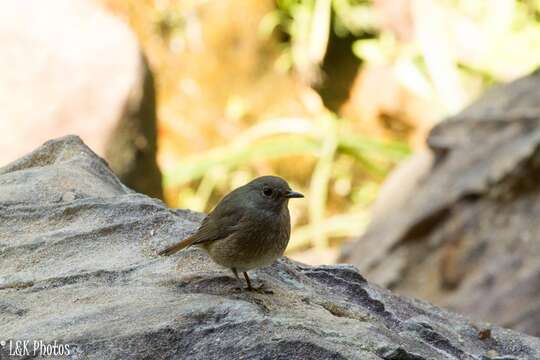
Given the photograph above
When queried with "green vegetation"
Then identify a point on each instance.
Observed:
(326, 140)
(235, 98)
(444, 51)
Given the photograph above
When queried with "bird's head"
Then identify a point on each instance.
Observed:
(270, 192)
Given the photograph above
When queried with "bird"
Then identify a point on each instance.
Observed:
(249, 228)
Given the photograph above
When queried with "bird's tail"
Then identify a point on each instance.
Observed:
(178, 246)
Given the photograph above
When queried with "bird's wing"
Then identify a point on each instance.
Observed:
(215, 226)
(220, 223)
(223, 221)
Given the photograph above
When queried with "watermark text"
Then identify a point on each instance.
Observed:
(34, 348)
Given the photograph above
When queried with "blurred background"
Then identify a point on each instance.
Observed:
(330, 94)
(189, 99)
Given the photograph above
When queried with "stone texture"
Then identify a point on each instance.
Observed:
(466, 235)
(78, 265)
(68, 67)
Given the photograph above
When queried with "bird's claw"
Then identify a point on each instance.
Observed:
(259, 289)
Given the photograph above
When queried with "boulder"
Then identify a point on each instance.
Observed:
(466, 234)
(78, 266)
(67, 66)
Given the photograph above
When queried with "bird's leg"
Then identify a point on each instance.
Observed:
(248, 282)
(238, 278)
(259, 289)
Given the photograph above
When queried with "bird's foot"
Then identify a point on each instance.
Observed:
(256, 289)
(259, 289)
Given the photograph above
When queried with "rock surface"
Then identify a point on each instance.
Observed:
(78, 265)
(467, 235)
(69, 67)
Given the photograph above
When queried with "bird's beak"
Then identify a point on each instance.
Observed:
(293, 194)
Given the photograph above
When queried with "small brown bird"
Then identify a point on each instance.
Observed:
(249, 228)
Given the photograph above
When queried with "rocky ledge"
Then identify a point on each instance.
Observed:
(466, 235)
(78, 266)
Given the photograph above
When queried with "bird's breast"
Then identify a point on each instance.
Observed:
(257, 242)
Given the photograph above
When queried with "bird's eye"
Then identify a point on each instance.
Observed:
(267, 191)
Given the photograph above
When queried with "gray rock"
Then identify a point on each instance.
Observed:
(78, 266)
(466, 236)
